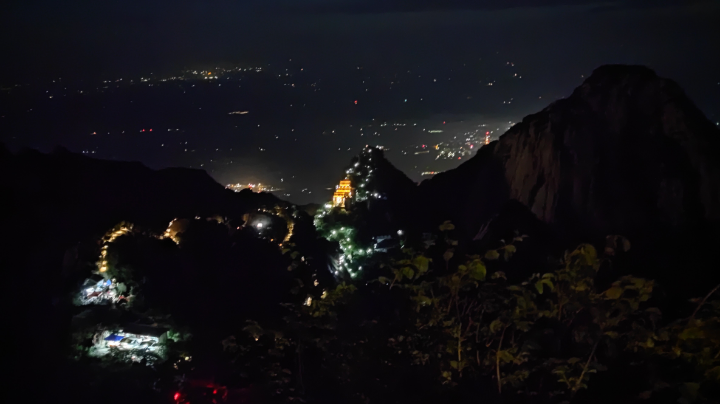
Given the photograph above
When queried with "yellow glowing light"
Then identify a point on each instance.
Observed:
(342, 193)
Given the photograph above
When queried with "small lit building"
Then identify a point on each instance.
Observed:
(342, 193)
(385, 243)
(134, 337)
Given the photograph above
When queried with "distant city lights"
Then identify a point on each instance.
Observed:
(259, 187)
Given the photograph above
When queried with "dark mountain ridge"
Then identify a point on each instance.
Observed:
(80, 191)
(626, 151)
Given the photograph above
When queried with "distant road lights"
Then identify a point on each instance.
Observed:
(400, 232)
(259, 225)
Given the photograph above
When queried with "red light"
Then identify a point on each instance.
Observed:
(487, 133)
(177, 396)
(142, 130)
(355, 102)
(459, 158)
(215, 391)
(443, 122)
(150, 130)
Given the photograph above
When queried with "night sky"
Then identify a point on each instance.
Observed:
(298, 67)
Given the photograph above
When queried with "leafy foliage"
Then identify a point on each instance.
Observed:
(690, 349)
(459, 319)
(274, 356)
(470, 322)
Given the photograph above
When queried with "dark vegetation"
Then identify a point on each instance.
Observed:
(534, 273)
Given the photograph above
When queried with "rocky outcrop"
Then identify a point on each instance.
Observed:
(627, 152)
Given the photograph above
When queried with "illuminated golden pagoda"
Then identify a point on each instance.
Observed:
(342, 193)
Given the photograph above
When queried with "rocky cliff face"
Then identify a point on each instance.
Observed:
(625, 153)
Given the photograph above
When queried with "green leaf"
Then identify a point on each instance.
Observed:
(523, 325)
(612, 334)
(454, 364)
(510, 248)
(478, 271)
(496, 325)
(383, 280)
(539, 287)
(573, 361)
(492, 255)
(448, 255)
(691, 333)
(423, 300)
(614, 292)
(447, 226)
(505, 356)
(590, 253)
(408, 272)
(585, 254)
(625, 244)
(421, 263)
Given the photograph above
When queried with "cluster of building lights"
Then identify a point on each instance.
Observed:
(361, 172)
(170, 234)
(344, 236)
(107, 240)
(259, 187)
(112, 235)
